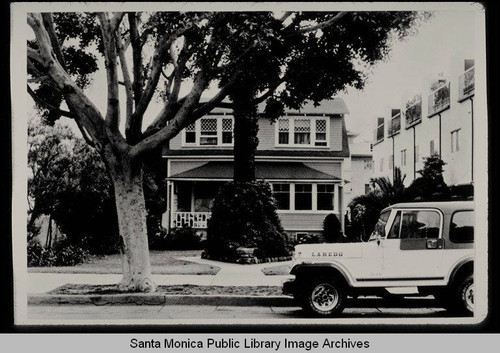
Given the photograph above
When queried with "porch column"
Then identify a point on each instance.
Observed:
(336, 204)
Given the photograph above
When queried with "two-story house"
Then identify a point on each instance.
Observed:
(301, 155)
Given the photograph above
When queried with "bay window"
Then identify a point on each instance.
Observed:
(304, 197)
(282, 195)
(325, 196)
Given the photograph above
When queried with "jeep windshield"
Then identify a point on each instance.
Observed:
(379, 230)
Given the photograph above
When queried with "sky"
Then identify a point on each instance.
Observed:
(445, 39)
(442, 42)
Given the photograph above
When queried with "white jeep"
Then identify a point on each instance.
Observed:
(425, 245)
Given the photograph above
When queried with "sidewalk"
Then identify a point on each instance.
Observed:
(39, 284)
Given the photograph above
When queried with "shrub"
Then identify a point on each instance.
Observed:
(244, 215)
(184, 238)
(62, 255)
(309, 239)
(332, 229)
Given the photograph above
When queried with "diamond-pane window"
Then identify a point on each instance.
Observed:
(302, 132)
(227, 131)
(320, 132)
(208, 132)
(191, 133)
(283, 131)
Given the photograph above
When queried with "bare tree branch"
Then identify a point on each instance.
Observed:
(48, 105)
(136, 57)
(109, 42)
(322, 24)
(34, 55)
(49, 26)
(76, 100)
(129, 93)
(182, 119)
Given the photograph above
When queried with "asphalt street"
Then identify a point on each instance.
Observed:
(367, 308)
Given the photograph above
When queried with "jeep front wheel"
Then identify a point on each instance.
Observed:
(325, 297)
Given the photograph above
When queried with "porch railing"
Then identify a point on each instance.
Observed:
(190, 219)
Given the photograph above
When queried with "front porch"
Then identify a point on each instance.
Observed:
(304, 196)
(191, 203)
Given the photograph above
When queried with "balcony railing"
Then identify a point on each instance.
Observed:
(394, 125)
(413, 113)
(439, 100)
(379, 133)
(466, 84)
(190, 219)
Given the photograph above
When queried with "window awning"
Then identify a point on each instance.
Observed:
(218, 170)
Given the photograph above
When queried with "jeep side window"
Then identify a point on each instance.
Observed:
(462, 227)
(379, 230)
(396, 225)
(420, 224)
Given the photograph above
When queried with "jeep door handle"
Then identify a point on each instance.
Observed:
(434, 244)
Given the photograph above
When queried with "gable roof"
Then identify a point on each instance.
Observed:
(332, 106)
(263, 170)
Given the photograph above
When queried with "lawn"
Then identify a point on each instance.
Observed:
(162, 262)
(276, 270)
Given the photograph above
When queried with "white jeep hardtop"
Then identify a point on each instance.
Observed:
(424, 245)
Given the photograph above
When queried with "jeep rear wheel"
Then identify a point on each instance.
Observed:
(324, 297)
(466, 295)
(459, 297)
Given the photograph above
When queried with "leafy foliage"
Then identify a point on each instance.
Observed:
(244, 215)
(365, 210)
(184, 238)
(68, 181)
(430, 185)
(61, 255)
(332, 229)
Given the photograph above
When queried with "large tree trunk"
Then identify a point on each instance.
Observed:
(131, 210)
(245, 132)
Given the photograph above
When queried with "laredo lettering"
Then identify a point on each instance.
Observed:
(172, 343)
(223, 343)
(326, 254)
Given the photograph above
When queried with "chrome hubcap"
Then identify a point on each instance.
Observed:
(469, 297)
(324, 297)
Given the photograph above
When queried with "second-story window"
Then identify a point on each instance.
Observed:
(227, 131)
(302, 132)
(191, 134)
(283, 131)
(209, 131)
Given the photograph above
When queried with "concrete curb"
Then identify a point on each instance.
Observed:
(160, 299)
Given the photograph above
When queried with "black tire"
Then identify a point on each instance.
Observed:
(459, 297)
(465, 295)
(324, 297)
